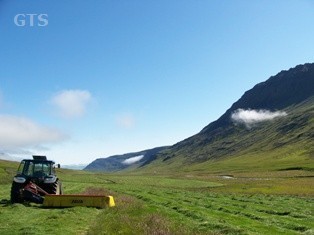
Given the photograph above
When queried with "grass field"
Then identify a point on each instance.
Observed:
(274, 202)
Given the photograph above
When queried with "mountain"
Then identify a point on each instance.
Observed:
(271, 127)
(4, 156)
(124, 161)
(74, 166)
(278, 92)
(284, 140)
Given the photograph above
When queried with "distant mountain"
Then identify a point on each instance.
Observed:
(74, 166)
(4, 156)
(124, 161)
(270, 127)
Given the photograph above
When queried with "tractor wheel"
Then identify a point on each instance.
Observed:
(16, 193)
(54, 188)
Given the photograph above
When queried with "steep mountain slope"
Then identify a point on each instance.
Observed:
(280, 142)
(271, 127)
(124, 161)
(278, 92)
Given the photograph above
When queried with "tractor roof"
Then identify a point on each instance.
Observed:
(39, 157)
(32, 160)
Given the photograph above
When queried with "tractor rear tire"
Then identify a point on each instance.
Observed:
(54, 188)
(16, 193)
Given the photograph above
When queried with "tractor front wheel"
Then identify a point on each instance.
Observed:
(16, 193)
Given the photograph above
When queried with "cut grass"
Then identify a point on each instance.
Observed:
(194, 203)
(202, 211)
(32, 219)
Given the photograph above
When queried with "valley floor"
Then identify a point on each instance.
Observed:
(194, 203)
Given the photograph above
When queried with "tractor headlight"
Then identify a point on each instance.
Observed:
(19, 180)
(50, 179)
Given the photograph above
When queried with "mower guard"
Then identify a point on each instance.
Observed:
(78, 200)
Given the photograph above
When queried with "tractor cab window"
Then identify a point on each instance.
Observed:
(36, 169)
(29, 169)
(21, 167)
(41, 169)
(46, 168)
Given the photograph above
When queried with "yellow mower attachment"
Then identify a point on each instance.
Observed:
(78, 200)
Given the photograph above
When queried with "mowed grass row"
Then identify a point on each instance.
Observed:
(196, 209)
(164, 205)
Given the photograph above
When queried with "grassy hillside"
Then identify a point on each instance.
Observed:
(279, 202)
(283, 143)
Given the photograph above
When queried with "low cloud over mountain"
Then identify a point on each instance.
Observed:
(132, 160)
(250, 117)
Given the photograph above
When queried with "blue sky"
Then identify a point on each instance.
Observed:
(107, 77)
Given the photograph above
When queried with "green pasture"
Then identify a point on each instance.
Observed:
(194, 203)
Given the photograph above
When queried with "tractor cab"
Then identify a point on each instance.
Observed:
(38, 170)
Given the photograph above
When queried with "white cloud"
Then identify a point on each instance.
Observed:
(132, 160)
(71, 103)
(251, 116)
(20, 132)
(126, 121)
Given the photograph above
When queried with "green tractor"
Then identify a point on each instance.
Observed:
(35, 178)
